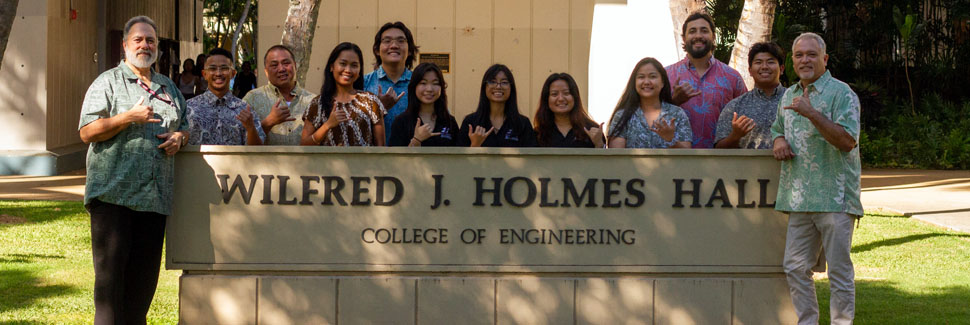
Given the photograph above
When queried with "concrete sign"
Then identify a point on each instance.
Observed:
(262, 226)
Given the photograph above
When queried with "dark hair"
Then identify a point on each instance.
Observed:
(630, 100)
(511, 105)
(545, 119)
(278, 47)
(139, 19)
(412, 49)
(329, 88)
(700, 14)
(766, 47)
(222, 52)
(414, 105)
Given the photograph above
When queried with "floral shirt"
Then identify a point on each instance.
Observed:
(364, 110)
(718, 86)
(638, 134)
(212, 120)
(821, 178)
(262, 100)
(376, 81)
(760, 107)
(128, 169)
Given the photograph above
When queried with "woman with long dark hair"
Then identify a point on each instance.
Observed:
(497, 122)
(561, 120)
(343, 114)
(426, 121)
(644, 116)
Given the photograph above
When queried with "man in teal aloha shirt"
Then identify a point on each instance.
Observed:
(135, 121)
(816, 134)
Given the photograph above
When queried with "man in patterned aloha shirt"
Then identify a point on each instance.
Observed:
(135, 121)
(700, 84)
(217, 116)
(746, 121)
(816, 134)
(280, 102)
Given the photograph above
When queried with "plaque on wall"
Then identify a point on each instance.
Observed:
(443, 60)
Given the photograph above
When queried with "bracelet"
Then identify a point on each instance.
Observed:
(314, 139)
(416, 138)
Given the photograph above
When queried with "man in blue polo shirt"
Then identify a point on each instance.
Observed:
(394, 50)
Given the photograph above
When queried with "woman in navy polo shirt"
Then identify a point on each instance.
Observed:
(497, 122)
(426, 122)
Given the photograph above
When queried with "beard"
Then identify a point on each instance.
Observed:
(138, 62)
(698, 53)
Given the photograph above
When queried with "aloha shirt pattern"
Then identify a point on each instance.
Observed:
(718, 86)
(638, 134)
(212, 120)
(262, 100)
(821, 178)
(758, 106)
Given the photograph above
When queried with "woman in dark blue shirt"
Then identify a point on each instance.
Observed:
(561, 120)
(497, 122)
(426, 121)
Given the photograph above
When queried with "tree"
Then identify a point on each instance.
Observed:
(8, 12)
(239, 27)
(301, 19)
(757, 17)
(679, 10)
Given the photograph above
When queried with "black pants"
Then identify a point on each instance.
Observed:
(127, 249)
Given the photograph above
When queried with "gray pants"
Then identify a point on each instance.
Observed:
(807, 233)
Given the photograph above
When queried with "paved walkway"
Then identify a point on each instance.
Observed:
(938, 197)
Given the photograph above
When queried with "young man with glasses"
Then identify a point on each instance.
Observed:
(394, 51)
(216, 116)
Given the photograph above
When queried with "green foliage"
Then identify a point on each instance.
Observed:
(935, 138)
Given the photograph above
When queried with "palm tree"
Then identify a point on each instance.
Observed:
(8, 11)
(757, 17)
(679, 10)
(301, 19)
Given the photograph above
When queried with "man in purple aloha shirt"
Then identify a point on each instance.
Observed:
(702, 85)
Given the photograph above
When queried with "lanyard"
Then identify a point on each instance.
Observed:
(154, 94)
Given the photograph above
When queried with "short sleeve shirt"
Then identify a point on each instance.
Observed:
(262, 100)
(761, 108)
(377, 81)
(821, 178)
(129, 169)
(719, 85)
(364, 110)
(638, 134)
(212, 120)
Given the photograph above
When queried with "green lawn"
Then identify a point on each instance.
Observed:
(907, 272)
(46, 272)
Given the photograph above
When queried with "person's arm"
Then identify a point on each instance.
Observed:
(278, 114)
(780, 147)
(312, 136)
(248, 119)
(379, 135)
(105, 128)
(617, 142)
(833, 133)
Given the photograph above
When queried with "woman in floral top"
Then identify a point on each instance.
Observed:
(343, 114)
(644, 117)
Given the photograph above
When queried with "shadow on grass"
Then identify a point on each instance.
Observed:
(900, 241)
(23, 289)
(882, 302)
(41, 211)
(26, 258)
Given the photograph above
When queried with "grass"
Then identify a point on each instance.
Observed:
(46, 272)
(907, 272)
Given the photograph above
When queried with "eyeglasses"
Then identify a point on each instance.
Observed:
(503, 83)
(215, 69)
(388, 40)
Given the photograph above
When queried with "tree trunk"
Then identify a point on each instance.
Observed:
(8, 13)
(298, 27)
(239, 28)
(679, 10)
(757, 18)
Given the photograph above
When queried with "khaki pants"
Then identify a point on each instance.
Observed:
(807, 234)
